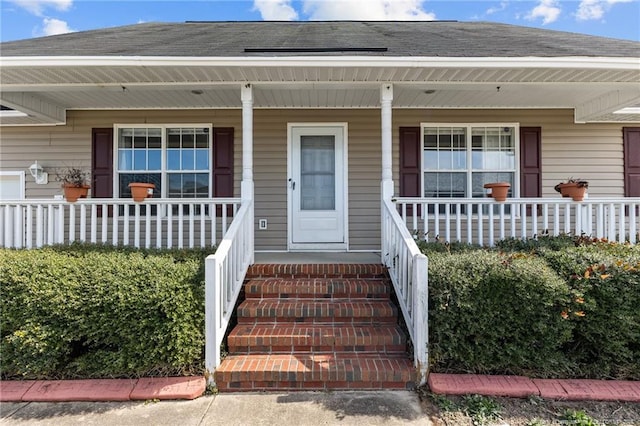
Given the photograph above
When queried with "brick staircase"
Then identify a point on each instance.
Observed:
(316, 327)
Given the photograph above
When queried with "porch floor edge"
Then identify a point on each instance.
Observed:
(317, 257)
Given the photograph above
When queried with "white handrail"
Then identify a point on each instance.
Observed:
(484, 221)
(156, 222)
(225, 271)
(408, 269)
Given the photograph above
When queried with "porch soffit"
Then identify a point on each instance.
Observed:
(582, 87)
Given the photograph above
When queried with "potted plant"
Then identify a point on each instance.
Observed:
(141, 190)
(499, 190)
(75, 183)
(574, 188)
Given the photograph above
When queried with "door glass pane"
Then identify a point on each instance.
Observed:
(317, 173)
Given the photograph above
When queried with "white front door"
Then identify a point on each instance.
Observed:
(317, 187)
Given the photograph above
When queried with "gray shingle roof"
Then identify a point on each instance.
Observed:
(230, 39)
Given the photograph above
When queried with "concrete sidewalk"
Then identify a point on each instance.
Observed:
(301, 408)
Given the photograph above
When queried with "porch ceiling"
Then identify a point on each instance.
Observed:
(44, 93)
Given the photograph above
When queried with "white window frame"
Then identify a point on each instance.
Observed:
(21, 178)
(163, 153)
(515, 190)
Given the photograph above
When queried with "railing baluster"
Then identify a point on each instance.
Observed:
(224, 218)
(115, 237)
(169, 226)
(513, 220)
(125, 225)
(72, 223)
(29, 227)
(458, 223)
(202, 225)
(83, 223)
(191, 227)
(50, 224)
(632, 223)
(213, 218)
(159, 209)
(447, 223)
(556, 219)
(545, 218)
(490, 230)
(501, 219)
(39, 225)
(612, 222)
(523, 220)
(104, 213)
(94, 223)
(180, 226)
(147, 226)
(622, 236)
(480, 225)
(469, 223)
(534, 219)
(136, 226)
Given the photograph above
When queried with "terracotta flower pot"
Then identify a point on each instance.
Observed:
(499, 190)
(140, 191)
(72, 192)
(573, 190)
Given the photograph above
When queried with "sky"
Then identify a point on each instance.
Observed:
(21, 19)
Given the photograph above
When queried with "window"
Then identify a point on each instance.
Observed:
(12, 185)
(458, 159)
(176, 159)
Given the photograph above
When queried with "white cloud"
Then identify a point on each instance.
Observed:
(52, 26)
(492, 10)
(548, 10)
(275, 10)
(595, 9)
(590, 9)
(37, 7)
(371, 10)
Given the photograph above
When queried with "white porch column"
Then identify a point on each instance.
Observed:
(246, 189)
(386, 98)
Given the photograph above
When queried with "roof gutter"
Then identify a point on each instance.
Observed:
(324, 61)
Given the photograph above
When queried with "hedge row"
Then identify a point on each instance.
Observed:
(553, 307)
(92, 311)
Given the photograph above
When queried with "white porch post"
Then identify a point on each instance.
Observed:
(386, 98)
(246, 190)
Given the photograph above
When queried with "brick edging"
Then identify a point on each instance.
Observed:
(163, 388)
(522, 387)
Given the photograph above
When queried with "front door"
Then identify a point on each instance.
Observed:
(317, 187)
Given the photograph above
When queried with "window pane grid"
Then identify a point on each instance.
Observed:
(491, 151)
(187, 160)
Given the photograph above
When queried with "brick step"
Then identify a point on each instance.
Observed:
(325, 288)
(314, 372)
(315, 311)
(279, 338)
(334, 270)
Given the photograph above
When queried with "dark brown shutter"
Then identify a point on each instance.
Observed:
(410, 165)
(410, 161)
(223, 162)
(102, 164)
(530, 162)
(631, 140)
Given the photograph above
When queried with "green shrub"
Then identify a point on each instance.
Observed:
(605, 280)
(496, 313)
(101, 312)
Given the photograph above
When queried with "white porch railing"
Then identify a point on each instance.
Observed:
(224, 274)
(408, 271)
(160, 223)
(484, 221)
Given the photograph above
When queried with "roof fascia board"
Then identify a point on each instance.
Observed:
(314, 61)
